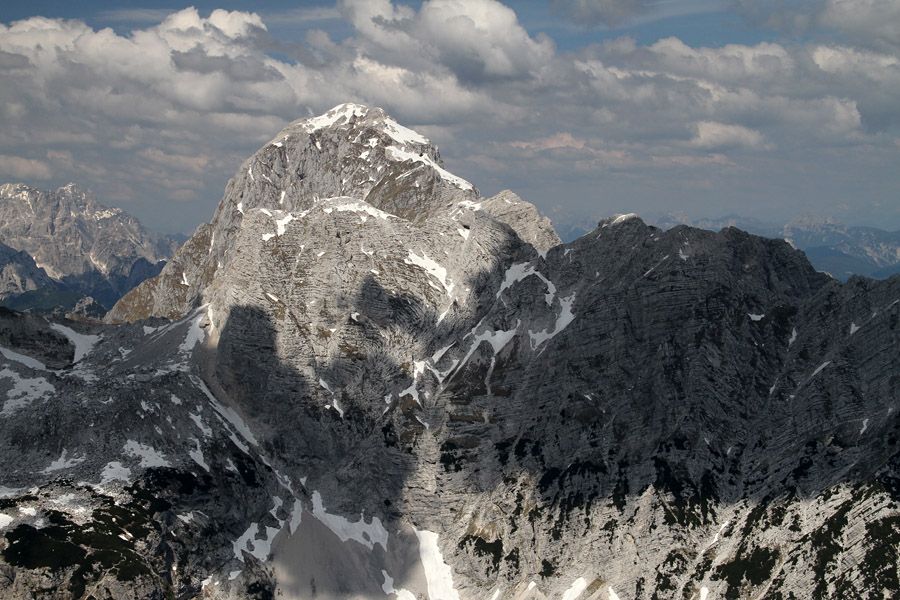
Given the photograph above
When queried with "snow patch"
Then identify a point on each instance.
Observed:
(282, 222)
(114, 471)
(64, 462)
(259, 548)
(719, 532)
(853, 328)
(616, 221)
(566, 316)
(197, 454)
(431, 267)
(195, 332)
(865, 425)
(575, 590)
(793, 337)
(296, 516)
(83, 343)
(5, 520)
(402, 134)
(339, 114)
(388, 587)
(24, 391)
(29, 362)
(438, 574)
(229, 415)
(149, 456)
(819, 368)
(522, 271)
(337, 407)
(367, 534)
(756, 317)
(653, 268)
(403, 155)
(351, 205)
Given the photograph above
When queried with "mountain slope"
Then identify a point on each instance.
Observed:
(370, 390)
(19, 273)
(830, 246)
(92, 249)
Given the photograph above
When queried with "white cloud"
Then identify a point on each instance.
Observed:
(720, 136)
(868, 23)
(18, 168)
(169, 111)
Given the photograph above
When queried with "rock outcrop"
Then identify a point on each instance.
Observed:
(362, 379)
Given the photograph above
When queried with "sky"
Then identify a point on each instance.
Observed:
(586, 108)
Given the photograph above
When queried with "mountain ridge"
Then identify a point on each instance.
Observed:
(87, 247)
(831, 246)
(447, 403)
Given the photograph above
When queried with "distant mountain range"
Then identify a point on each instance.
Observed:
(60, 247)
(840, 250)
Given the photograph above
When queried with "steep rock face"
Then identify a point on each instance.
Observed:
(415, 395)
(99, 251)
(19, 273)
(351, 152)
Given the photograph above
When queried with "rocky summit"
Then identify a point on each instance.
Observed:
(361, 379)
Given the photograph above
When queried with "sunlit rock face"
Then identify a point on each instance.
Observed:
(362, 379)
(82, 245)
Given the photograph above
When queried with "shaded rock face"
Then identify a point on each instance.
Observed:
(19, 273)
(87, 247)
(373, 391)
(837, 249)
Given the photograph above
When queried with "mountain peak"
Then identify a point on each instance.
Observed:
(350, 151)
(349, 115)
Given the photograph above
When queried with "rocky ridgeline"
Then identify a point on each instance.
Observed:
(81, 245)
(362, 379)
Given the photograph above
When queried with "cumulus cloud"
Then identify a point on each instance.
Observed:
(475, 40)
(164, 115)
(867, 23)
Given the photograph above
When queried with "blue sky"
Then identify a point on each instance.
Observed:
(586, 108)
